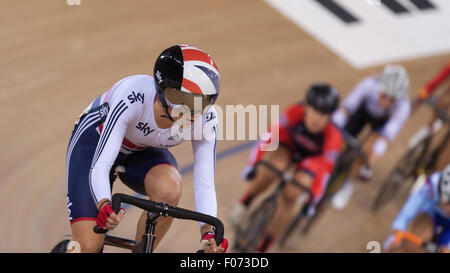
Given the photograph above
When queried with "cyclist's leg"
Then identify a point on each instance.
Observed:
(368, 148)
(82, 232)
(286, 203)
(280, 159)
(163, 184)
(345, 190)
(354, 126)
(154, 173)
(263, 177)
(312, 174)
(81, 206)
(357, 120)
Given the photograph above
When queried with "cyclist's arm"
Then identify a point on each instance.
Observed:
(204, 169)
(390, 130)
(332, 146)
(353, 101)
(291, 116)
(120, 114)
(419, 201)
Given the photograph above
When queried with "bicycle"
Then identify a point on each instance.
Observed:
(340, 172)
(249, 233)
(154, 210)
(419, 160)
(428, 247)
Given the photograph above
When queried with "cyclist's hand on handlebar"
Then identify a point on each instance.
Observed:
(106, 217)
(209, 244)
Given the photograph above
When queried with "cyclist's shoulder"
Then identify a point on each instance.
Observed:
(367, 87)
(141, 81)
(430, 187)
(433, 179)
(295, 111)
(332, 133)
(139, 87)
(370, 82)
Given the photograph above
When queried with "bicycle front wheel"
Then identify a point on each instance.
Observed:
(389, 189)
(294, 225)
(62, 245)
(249, 233)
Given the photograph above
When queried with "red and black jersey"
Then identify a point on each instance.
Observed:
(294, 134)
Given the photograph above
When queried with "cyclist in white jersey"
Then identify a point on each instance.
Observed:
(383, 102)
(129, 128)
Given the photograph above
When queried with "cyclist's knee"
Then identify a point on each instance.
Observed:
(167, 195)
(89, 241)
(290, 194)
(89, 246)
(163, 184)
(279, 158)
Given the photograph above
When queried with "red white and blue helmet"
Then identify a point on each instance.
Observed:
(188, 70)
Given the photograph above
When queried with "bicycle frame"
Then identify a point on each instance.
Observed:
(143, 246)
(428, 157)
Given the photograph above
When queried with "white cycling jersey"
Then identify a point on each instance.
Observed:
(130, 126)
(367, 91)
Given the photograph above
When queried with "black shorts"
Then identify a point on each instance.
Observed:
(80, 203)
(360, 118)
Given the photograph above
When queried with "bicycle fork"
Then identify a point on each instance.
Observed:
(148, 239)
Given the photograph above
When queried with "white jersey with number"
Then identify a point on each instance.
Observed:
(130, 126)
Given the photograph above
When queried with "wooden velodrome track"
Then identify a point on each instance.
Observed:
(55, 58)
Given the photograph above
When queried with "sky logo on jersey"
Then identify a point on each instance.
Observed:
(133, 97)
(104, 110)
(210, 116)
(144, 128)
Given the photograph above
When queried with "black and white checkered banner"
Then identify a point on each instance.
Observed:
(372, 32)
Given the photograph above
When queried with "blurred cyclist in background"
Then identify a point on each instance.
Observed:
(426, 213)
(305, 130)
(441, 101)
(381, 101)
